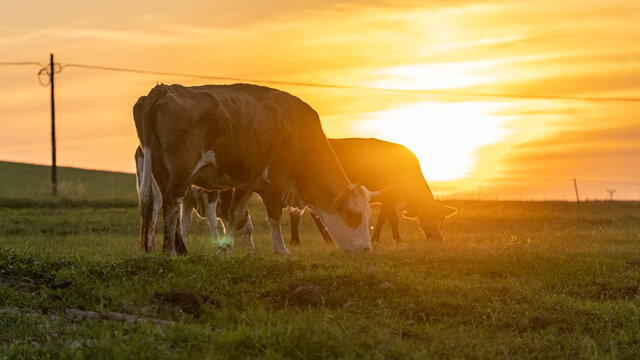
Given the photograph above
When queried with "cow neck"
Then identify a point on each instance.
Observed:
(326, 181)
(417, 194)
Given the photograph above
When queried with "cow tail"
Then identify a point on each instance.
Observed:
(145, 204)
(146, 199)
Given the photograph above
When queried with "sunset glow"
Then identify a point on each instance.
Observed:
(508, 146)
(472, 124)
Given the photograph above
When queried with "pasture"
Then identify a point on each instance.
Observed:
(522, 280)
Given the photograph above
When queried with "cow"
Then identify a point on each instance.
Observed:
(253, 139)
(395, 172)
(209, 205)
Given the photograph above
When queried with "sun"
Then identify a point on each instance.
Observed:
(444, 136)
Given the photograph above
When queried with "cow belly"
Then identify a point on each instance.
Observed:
(211, 178)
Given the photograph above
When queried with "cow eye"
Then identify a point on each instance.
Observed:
(352, 218)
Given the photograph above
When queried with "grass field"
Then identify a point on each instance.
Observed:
(25, 183)
(511, 280)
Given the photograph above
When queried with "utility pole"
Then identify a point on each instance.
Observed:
(575, 186)
(611, 191)
(54, 170)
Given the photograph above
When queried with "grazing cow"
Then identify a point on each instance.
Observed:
(253, 139)
(394, 171)
(207, 204)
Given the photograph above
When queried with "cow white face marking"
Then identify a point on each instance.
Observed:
(348, 221)
(207, 158)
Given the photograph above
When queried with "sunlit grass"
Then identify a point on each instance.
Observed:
(511, 280)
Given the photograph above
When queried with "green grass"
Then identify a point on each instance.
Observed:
(26, 181)
(511, 280)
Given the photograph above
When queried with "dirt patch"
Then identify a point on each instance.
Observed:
(303, 293)
(191, 302)
(20, 283)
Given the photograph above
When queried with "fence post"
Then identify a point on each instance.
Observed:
(54, 175)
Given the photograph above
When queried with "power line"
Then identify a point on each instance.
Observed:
(350, 87)
(335, 86)
(20, 63)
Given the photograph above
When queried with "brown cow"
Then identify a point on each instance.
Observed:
(253, 139)
(208, 204)
(395, 172)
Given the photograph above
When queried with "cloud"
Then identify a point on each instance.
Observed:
(606, 153)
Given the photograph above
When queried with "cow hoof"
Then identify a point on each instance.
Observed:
(170, 253)
(281, 251)
(181, 249)
(223, 249)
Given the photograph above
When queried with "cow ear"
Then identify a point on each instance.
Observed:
(373, 194)
(356, 185)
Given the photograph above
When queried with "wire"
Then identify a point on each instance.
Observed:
(608, 182)
(46, 70)
(20, 63)
(59, 67)
(349, 87)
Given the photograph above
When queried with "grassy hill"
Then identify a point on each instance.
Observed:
(33, 182)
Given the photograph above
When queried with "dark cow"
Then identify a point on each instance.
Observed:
(395, 171)
(253, 139)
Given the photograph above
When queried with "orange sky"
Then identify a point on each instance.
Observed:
(469, 146)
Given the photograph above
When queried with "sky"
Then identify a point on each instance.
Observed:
(469, 146)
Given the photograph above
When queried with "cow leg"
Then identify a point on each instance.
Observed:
(147, 244)
(295, 222)
(212, 219)
(393, 221)
(382, 217)
(277, 243)
(323, 229)
(222, 209)
(172, 199)
(185, 220)
(237, 217)
(157, 205)
(274, 213)
(243, 228)
(181, 246)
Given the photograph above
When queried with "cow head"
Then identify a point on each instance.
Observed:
(432, 216)
(348, 219)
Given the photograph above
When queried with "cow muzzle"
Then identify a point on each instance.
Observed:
(432, 229)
